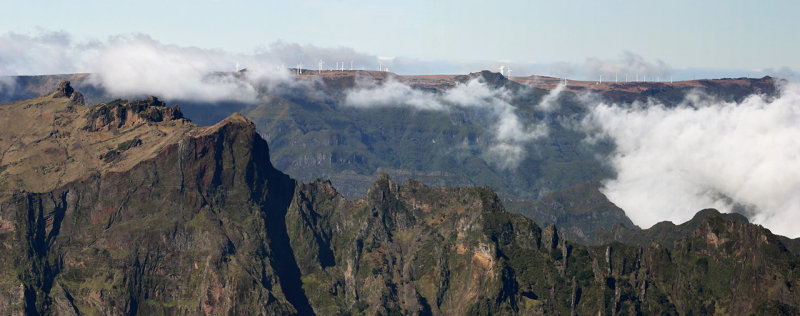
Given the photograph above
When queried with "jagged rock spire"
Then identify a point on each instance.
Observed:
(64, 90)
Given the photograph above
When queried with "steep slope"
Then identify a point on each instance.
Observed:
(582, 213)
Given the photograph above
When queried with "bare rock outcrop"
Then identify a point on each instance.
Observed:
(120, 113)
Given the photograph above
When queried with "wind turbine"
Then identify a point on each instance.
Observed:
(351, 65)
(320, 66)
(509, 72)
(501, 69)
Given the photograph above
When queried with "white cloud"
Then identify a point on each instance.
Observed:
(672, 162)
(134, 65)
(390, 94)
(130, 65)
(548, 102)
(7, 85)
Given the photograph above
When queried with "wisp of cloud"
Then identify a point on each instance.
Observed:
(392, 93)
(509, 133)
(672, 162)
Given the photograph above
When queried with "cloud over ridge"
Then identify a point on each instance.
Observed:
(136, 64)
(672, 162)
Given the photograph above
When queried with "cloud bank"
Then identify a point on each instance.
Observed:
(672, 162)
(46, 53)
(140, 65)
(136, 64)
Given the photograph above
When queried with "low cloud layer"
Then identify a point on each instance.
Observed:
(509, 133)
(137, 64)
(673, 162)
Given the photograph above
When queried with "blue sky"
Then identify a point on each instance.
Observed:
(689, 36)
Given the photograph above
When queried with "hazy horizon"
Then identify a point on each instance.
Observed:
(580, 40)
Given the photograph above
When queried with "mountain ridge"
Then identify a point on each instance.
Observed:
(208, 225)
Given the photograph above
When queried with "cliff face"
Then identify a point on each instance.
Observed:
(196, 220)
(190, 229)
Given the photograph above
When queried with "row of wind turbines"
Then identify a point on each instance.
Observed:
(644, 78)
(340, 66)
(506, 71)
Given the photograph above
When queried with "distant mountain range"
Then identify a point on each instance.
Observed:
(126, 207)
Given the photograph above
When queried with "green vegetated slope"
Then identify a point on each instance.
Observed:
(196, 220)
(349, 145)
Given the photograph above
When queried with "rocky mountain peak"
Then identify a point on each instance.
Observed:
(238, 118)
(705, 214)
(492, 79)
(383, 188)
(63, 90)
